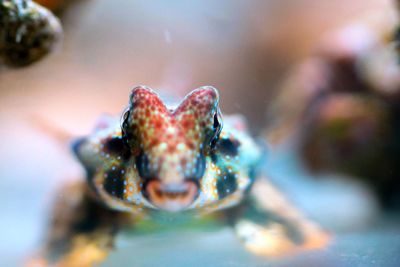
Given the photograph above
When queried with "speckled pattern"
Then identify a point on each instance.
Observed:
(172, 145)
(160, 161)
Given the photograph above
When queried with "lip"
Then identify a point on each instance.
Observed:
(171, 197)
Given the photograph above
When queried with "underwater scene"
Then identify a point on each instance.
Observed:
(200, 133)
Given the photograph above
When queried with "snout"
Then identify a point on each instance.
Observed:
(171, 197)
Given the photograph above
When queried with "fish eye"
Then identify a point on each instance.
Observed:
(143, 166)
(126, 134)
(217, 127)
(199, 168)
(217, 123)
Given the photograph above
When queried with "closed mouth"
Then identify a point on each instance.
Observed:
(171, 197)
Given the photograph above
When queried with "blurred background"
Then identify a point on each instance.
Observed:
(318, 80)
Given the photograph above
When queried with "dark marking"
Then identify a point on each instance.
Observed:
(228, 146)
(117, 146)
(226, 185)
(114, 183)
(214, 157)
(114, 145)
(216, 124)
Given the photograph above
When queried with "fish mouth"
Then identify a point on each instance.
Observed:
(171, 197)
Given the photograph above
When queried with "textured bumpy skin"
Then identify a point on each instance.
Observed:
(160, 158)
(172, 144)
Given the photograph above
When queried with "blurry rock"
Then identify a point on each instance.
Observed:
(342, 107)
(380, 70)
(54, 5)
(396, 42)
(331, 69)
(354, 134)
(396, 36)
(60, 7)
(344, 131)
(28, 32)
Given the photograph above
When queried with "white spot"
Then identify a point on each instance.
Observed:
(163, 146)
(171, 130)
(180, 146)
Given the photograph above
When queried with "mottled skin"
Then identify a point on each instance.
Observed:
(171, 159)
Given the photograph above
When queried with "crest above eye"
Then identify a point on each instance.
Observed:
(201, 101)
(148, 122)
(200, 110)
(217, 128)
(145, 107)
